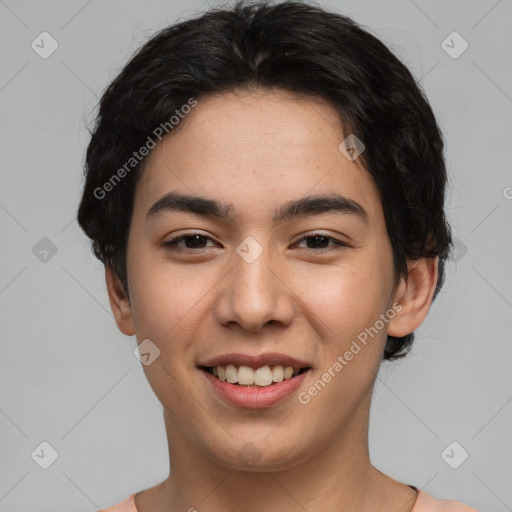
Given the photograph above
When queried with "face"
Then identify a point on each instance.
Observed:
(256, 283)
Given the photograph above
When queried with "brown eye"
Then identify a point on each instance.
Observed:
(320, 242)
(192, 241)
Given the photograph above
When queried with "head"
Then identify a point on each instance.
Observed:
(235, 130)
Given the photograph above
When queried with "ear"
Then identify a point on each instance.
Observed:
(414, 293)
(119, 302)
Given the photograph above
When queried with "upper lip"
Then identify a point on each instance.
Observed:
(256, 361)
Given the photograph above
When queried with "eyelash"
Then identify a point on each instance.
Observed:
(172, 245)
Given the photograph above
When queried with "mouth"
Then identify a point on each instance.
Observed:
(254, 377)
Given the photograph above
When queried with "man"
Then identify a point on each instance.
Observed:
(265, 185)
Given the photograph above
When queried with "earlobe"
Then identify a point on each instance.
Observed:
(119, 302)
(414, 293)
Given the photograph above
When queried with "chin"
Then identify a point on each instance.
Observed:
(261, 454)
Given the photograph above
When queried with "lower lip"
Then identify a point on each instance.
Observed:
(255, 397)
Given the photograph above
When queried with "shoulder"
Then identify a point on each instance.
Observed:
(426, 503)
(127, 505)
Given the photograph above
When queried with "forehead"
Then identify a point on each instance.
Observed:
(256, 148)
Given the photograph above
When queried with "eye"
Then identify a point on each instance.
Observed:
(319, 241)
(192, 241)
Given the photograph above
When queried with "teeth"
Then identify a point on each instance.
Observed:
(277, 373)
(247, 376)
(263, 376)
(231, 374)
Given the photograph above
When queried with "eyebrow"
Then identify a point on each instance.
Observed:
(305, 206)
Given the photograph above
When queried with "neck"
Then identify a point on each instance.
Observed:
(339, 476)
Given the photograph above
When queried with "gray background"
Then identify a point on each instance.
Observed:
(69, 377)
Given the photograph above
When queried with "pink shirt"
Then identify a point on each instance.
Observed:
(424, 503)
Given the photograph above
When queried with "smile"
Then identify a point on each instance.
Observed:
(262, 376)
(254, 396)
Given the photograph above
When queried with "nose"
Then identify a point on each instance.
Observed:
(254, 294)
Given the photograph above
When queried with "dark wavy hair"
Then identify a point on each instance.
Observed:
(300, 48)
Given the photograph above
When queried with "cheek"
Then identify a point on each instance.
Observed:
(165, 309)
(345, 298)
(345, 307)
(163, 301)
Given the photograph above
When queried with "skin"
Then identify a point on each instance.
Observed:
(257, 150)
